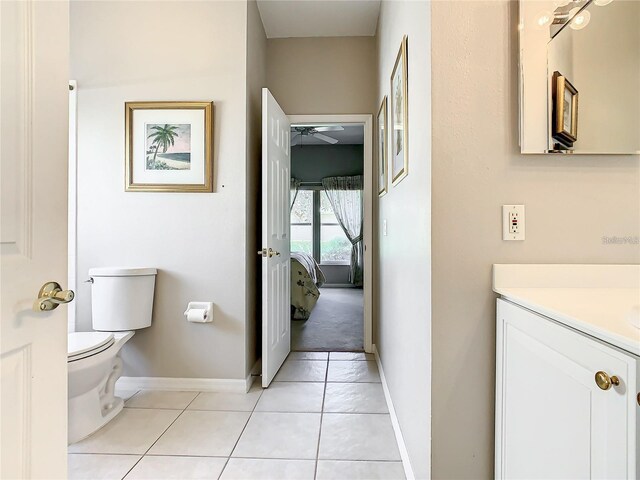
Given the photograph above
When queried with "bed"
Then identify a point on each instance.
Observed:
(306, 279)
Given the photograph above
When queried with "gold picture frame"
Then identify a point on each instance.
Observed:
(382, 124)
(399, 105)
(565, 110)
(169, 147)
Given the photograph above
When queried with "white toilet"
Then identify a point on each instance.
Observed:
(121, 301)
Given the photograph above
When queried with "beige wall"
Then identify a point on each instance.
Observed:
(256, 79)
(331, 75)
(404, 305)
(570, 204)
(120, 52)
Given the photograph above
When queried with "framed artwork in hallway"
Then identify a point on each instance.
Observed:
(399, 117)
(168, 146)
(382, 147)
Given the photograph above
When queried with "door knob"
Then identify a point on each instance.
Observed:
(604, 381)
(50, 296)
(268, 252)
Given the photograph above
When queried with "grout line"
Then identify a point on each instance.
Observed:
(226, 457)
(189, 404)
(375, 383)
(137, 392)
(324, 394)
(241, 433)
(159, 437)
(305, 459)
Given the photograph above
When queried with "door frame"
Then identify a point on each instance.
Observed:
(72, 228)
(367, 122)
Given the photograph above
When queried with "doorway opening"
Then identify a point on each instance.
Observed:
(330, 221)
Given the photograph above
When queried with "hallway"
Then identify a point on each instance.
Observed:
(323, 417)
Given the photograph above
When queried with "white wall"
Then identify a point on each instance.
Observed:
(477, 168)
(128, 51)
(404, 323)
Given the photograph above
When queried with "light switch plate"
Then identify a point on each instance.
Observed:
(513, 222)
(384, 227)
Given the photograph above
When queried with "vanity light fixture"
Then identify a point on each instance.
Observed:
(544, 19)
(602, 3)
(579, 20)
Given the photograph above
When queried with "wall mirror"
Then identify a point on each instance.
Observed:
(579, 76)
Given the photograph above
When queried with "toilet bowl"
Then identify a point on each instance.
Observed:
(92, 379)
(122, 301)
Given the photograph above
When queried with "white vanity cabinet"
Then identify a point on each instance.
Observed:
(553, 420)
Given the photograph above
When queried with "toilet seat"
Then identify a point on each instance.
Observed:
(86, 344)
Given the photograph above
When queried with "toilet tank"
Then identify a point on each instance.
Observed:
(121, 298)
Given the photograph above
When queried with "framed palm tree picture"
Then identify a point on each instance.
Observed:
(169, 146)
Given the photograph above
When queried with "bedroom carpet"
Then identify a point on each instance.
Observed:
(336, 323)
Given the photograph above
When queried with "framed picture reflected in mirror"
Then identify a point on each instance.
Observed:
(564, 126)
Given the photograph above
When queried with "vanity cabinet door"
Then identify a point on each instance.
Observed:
(552, 419)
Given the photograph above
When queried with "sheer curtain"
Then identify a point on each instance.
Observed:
(295, 186)
(346, 198)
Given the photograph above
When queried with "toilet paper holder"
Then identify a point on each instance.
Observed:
(199, 312)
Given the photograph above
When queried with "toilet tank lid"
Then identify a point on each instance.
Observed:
(121, 272)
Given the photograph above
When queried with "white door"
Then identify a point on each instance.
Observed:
(553, 420)
(34, 96)
(276, 287)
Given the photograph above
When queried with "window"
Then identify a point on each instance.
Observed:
(315, 229)
(302, 222)
(335, 248)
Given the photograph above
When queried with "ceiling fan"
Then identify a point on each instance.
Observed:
(297, 133)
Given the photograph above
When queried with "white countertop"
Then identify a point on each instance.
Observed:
(598, 300)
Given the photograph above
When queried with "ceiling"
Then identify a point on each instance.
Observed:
(319, 18)
(351, 135)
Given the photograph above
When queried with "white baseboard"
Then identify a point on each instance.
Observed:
(228, 385)
(404, 454)
(255, 372)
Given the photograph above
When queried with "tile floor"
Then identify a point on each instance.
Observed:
(323, 417)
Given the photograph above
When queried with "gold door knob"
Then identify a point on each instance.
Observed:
(604, 381)
(50, 296)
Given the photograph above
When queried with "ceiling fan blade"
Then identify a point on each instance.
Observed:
(295, 139)
(330, 128)
(330, 140)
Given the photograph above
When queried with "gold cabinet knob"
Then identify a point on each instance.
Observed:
(604, 381)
